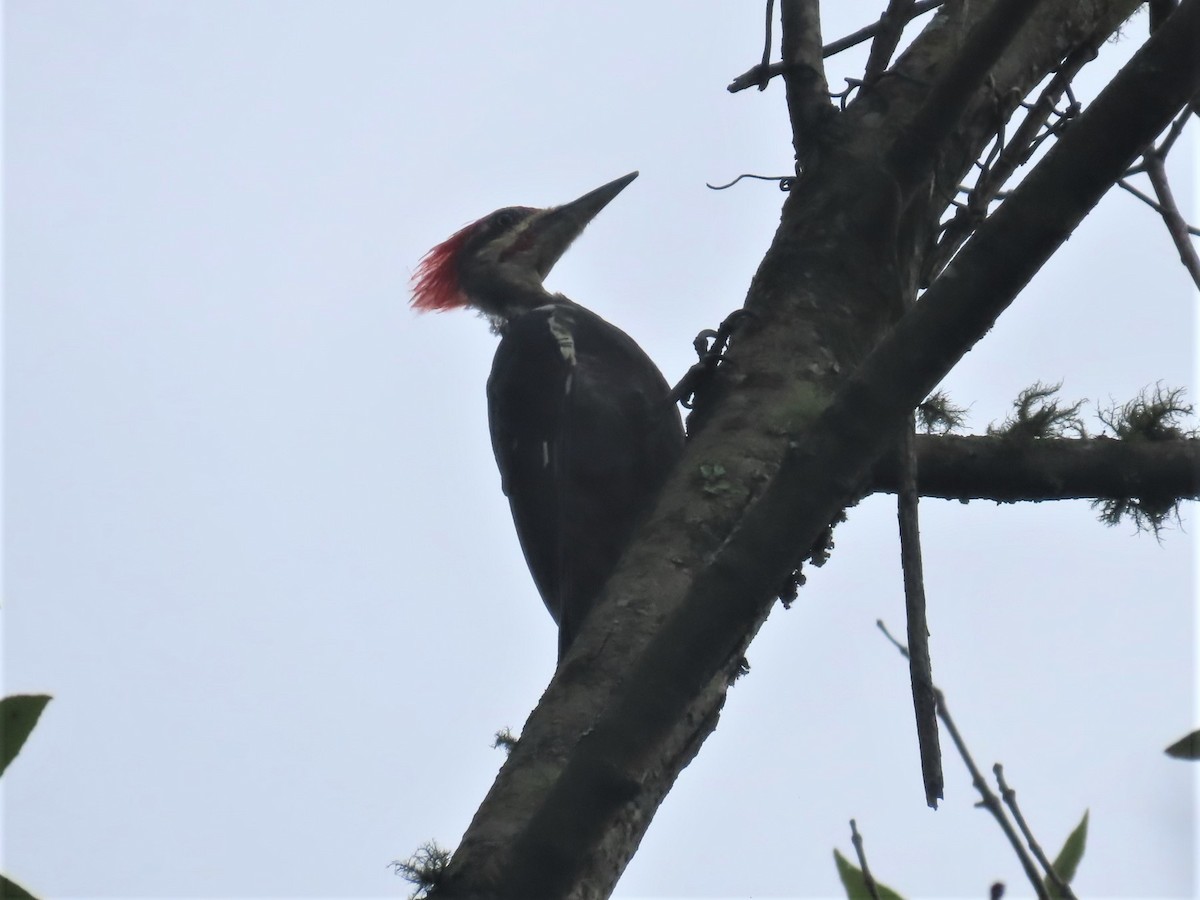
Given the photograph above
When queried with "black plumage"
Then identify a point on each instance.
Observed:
(584, 434)
(582, 422)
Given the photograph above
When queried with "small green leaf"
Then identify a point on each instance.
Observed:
(10, 890)
(856, 885)
(1186, 747)
(1069, 856)
(18, 714)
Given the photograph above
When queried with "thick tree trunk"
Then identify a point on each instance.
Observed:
(793, 435)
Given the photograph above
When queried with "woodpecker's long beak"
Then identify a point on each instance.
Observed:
(553, 230)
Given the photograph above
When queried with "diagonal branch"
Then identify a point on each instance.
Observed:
(1177, 226)
(644, 682)
(914, 154)
(887, 37)
(1015, 153)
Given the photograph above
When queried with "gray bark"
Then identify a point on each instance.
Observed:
(812, 396)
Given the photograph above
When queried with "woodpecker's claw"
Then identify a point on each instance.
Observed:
(710, 348)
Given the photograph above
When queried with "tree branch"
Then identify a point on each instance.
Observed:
(914, 153)
(991, 802)
(1015, 153)
(977, 467)
(887, 38)
(804, 76)
(760, 74)
(920, 665)
(643, 683)
(1177, 226)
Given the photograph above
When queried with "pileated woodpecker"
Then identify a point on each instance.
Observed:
(583, 425)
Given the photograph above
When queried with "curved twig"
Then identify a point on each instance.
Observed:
(785, 181)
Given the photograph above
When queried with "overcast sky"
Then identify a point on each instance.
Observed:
(255, 541)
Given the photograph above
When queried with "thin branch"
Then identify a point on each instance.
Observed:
(754, 77)
(1153, 164)
(804, 75)
(989, 801)
(920, 665)
(1177, 226)
(1010, 800)
(843, 96)
(762, 73)
(1148, 200)
(868, 879)
(917, 10)
(764, 66)
(1177, 127)
(784, 181)
(1014, 154)
(887, 37)
(915, 152)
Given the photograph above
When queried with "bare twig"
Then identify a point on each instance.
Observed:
(1013, 154)
(1010, 800)
(868, 879)
(990, 801)
(1177, 127)
(1153, 165)
(1150, 201)
(843, 96)
(900, 648)
(785, 182)
(1025, 143)
(764, 66)
(919, 663)
(1177, 226)
(763, 72)
(920, 667)
(915, 151)
(755, 76)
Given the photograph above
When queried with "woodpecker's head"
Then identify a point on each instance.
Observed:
(498, 263)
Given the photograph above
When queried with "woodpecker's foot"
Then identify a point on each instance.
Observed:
(710, 348)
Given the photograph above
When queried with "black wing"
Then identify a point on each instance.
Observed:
(584, 434)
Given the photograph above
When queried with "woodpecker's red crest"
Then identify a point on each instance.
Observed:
(435, 284)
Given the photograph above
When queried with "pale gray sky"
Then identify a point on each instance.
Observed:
(256, 545)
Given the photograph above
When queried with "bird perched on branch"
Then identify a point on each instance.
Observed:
(583, 425)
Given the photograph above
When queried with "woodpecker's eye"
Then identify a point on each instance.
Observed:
(506, 218)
